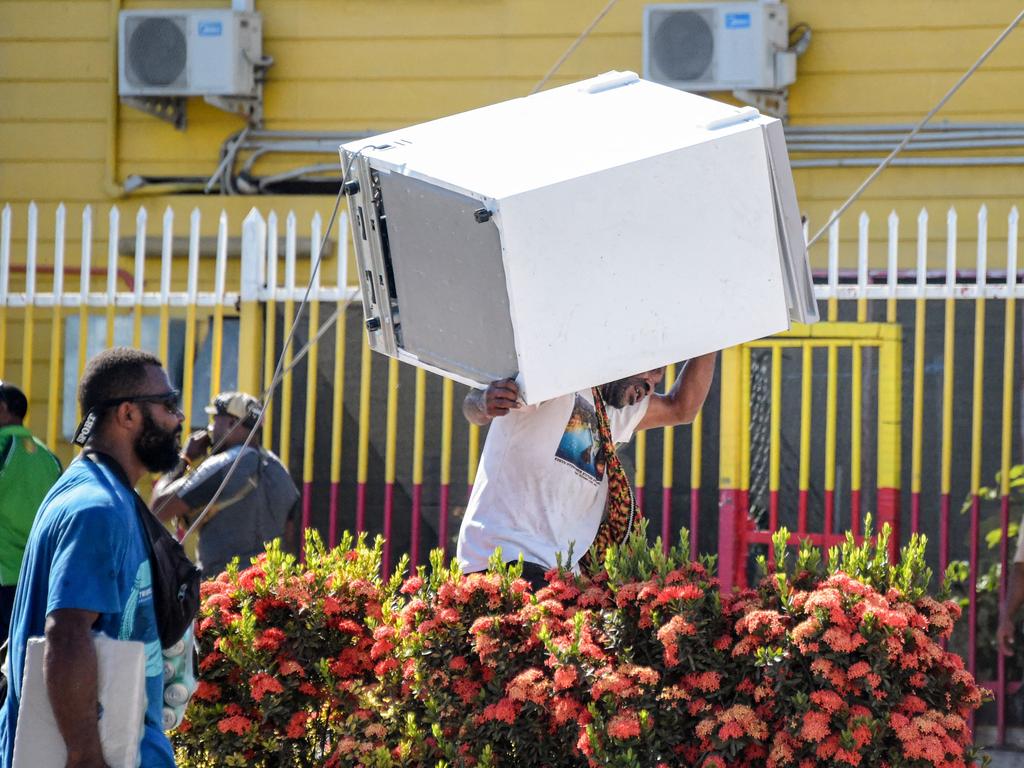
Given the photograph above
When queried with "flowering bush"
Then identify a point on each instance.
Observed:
(286, 675)
(638, 662)
(860, 673)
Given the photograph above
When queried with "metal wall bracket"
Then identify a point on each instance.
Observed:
(170, 109)
(249, 107)
(774, 103)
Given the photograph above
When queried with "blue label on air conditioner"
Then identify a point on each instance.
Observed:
(737, 20)
(210, 29)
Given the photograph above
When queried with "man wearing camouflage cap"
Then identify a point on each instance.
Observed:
(259, 503)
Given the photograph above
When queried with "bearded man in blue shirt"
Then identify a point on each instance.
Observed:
(86, 567)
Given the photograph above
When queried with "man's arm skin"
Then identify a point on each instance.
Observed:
(1012, 606)
(165, 503)
(482, 406)
(683, 402)
(70, 671)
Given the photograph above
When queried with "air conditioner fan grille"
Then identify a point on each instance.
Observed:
(683, 45)
(157, 51)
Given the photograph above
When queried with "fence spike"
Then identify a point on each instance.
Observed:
(270, 278)
(980, 278)
(1011, 249)
(5, 255)
(863, 225)
(166, 255)
(86, 262)
(254, 242)
(289, 254)
(31, 254)
(315, 234)
(892, 270)
(922, 250)
(141, 218)
(221, 267)
(833, 258)
(192, 286)
(951, 220)
(113, 227)
(58, 253)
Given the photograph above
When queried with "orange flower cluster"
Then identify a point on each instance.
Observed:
(285, 659)
(852, 677)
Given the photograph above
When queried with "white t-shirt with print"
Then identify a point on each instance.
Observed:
(542, 487)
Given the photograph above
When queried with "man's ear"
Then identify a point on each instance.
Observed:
(126, 414)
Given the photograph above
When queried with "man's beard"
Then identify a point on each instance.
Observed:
(617, 393)
(157, 448)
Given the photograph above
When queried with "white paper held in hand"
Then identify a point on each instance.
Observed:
(122, 703)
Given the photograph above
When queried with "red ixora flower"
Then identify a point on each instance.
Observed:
(235, 724)
(624, 725)
(207, 691)
(269, 640)
(297, 725)
(261, 684)
(412, 585)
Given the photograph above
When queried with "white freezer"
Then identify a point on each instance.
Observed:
(577, 236)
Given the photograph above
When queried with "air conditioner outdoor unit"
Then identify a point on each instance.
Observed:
(718, 46)
(199, 52)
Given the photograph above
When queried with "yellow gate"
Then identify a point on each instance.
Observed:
(817, 382)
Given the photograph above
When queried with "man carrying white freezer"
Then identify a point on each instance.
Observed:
(549, 479)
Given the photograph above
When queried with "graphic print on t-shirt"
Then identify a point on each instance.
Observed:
(580, 446)
(138, 621)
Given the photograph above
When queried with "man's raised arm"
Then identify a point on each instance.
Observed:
(682, 403)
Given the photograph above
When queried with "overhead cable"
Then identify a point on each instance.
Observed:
(909, 137)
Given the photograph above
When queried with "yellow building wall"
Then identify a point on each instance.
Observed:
(369, 65)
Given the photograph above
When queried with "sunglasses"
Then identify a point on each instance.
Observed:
(171, 400)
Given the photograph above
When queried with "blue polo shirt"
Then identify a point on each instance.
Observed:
(87, 551)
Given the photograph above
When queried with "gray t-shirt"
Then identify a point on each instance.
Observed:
(266, 498)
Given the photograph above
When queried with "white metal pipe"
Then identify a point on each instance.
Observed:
(906, 162)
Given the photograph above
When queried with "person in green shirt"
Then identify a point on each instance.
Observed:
(27, 470)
